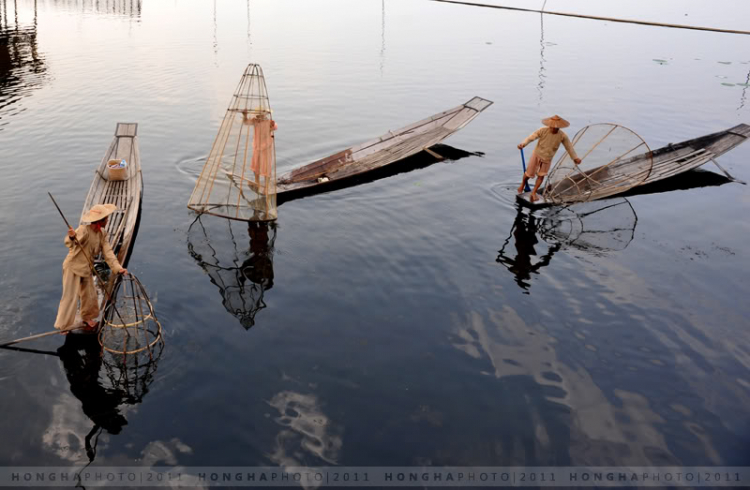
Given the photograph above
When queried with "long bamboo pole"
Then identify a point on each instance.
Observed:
(596, 17)
(38, 336)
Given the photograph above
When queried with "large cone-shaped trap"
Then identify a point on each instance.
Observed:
(238, 180)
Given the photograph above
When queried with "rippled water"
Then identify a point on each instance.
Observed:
(416, 318)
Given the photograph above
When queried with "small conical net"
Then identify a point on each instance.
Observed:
(238, 180)
(613, 160)
(130, 326)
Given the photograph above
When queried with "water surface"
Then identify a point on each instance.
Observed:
(420, 318)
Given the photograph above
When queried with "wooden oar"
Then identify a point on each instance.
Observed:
(38, 336)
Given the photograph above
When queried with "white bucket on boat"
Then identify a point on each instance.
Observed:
(118, 169)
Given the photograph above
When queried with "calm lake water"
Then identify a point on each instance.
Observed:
(417, 319)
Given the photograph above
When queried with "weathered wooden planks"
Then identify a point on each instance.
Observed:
(379, 152)
(125, 194)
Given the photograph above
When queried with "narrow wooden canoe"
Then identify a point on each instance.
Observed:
(667, 161)
(379, 152)
(125, 194)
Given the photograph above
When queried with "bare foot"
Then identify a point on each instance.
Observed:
(533, 197)
(520, 189)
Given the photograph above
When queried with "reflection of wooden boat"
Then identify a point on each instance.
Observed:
(667, 162)
(125, 194)
(379, 152)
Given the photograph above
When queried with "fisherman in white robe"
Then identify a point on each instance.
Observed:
(78, 282)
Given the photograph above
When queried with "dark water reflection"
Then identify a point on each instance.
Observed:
(243, 272)
(22, 66)
(412, 317)
(105, 384)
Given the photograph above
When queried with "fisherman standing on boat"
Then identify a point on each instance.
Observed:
(549, 138)
(78, 283)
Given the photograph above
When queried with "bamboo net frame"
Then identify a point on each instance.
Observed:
(238, 180)
(613, 160)
(135, 329)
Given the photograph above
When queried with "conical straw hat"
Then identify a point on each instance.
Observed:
(555, 122)
(99, 211)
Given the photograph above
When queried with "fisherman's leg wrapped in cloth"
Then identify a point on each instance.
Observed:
(66, 313)
(76, 288)
(537, 167)
(89, 299)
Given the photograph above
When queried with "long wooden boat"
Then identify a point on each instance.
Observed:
(379, 152)
(668, 161)
(125, 194)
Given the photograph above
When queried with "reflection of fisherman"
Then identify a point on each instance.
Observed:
(78, 282)
(82, 361)
(524, 232)
(549, 138)
(258, 268)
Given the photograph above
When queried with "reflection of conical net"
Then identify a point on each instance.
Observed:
(242, 273)
(614, 159)
(601, 226)
(238, 180)
(131, 374)
(130, 326)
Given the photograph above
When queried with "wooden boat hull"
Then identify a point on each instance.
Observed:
(670, 160)
(125, 194)
(392, 147)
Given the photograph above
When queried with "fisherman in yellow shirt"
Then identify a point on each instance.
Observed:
(78, 283)
(549, 138)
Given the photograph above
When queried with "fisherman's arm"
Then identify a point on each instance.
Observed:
(79, 234)
(111, 259)
(571, 151)
(531, 137)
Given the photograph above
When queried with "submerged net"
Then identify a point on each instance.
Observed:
(614, 159)
(238, 180)
(595, 227)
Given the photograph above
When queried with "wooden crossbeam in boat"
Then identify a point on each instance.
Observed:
(126, 130)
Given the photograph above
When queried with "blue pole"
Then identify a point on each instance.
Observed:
(523, 162)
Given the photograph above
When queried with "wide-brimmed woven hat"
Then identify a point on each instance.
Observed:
(555, 122)
(99, 211)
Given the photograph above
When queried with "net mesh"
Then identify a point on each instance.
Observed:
(614, 159)
(239, 261)
(238, 180)
(130, 325)
(594, 227)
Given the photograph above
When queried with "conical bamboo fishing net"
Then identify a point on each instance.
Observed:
(238, 180)
(614, 159)
(130, 325)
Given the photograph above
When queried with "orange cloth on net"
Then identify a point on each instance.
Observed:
(263, 157)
